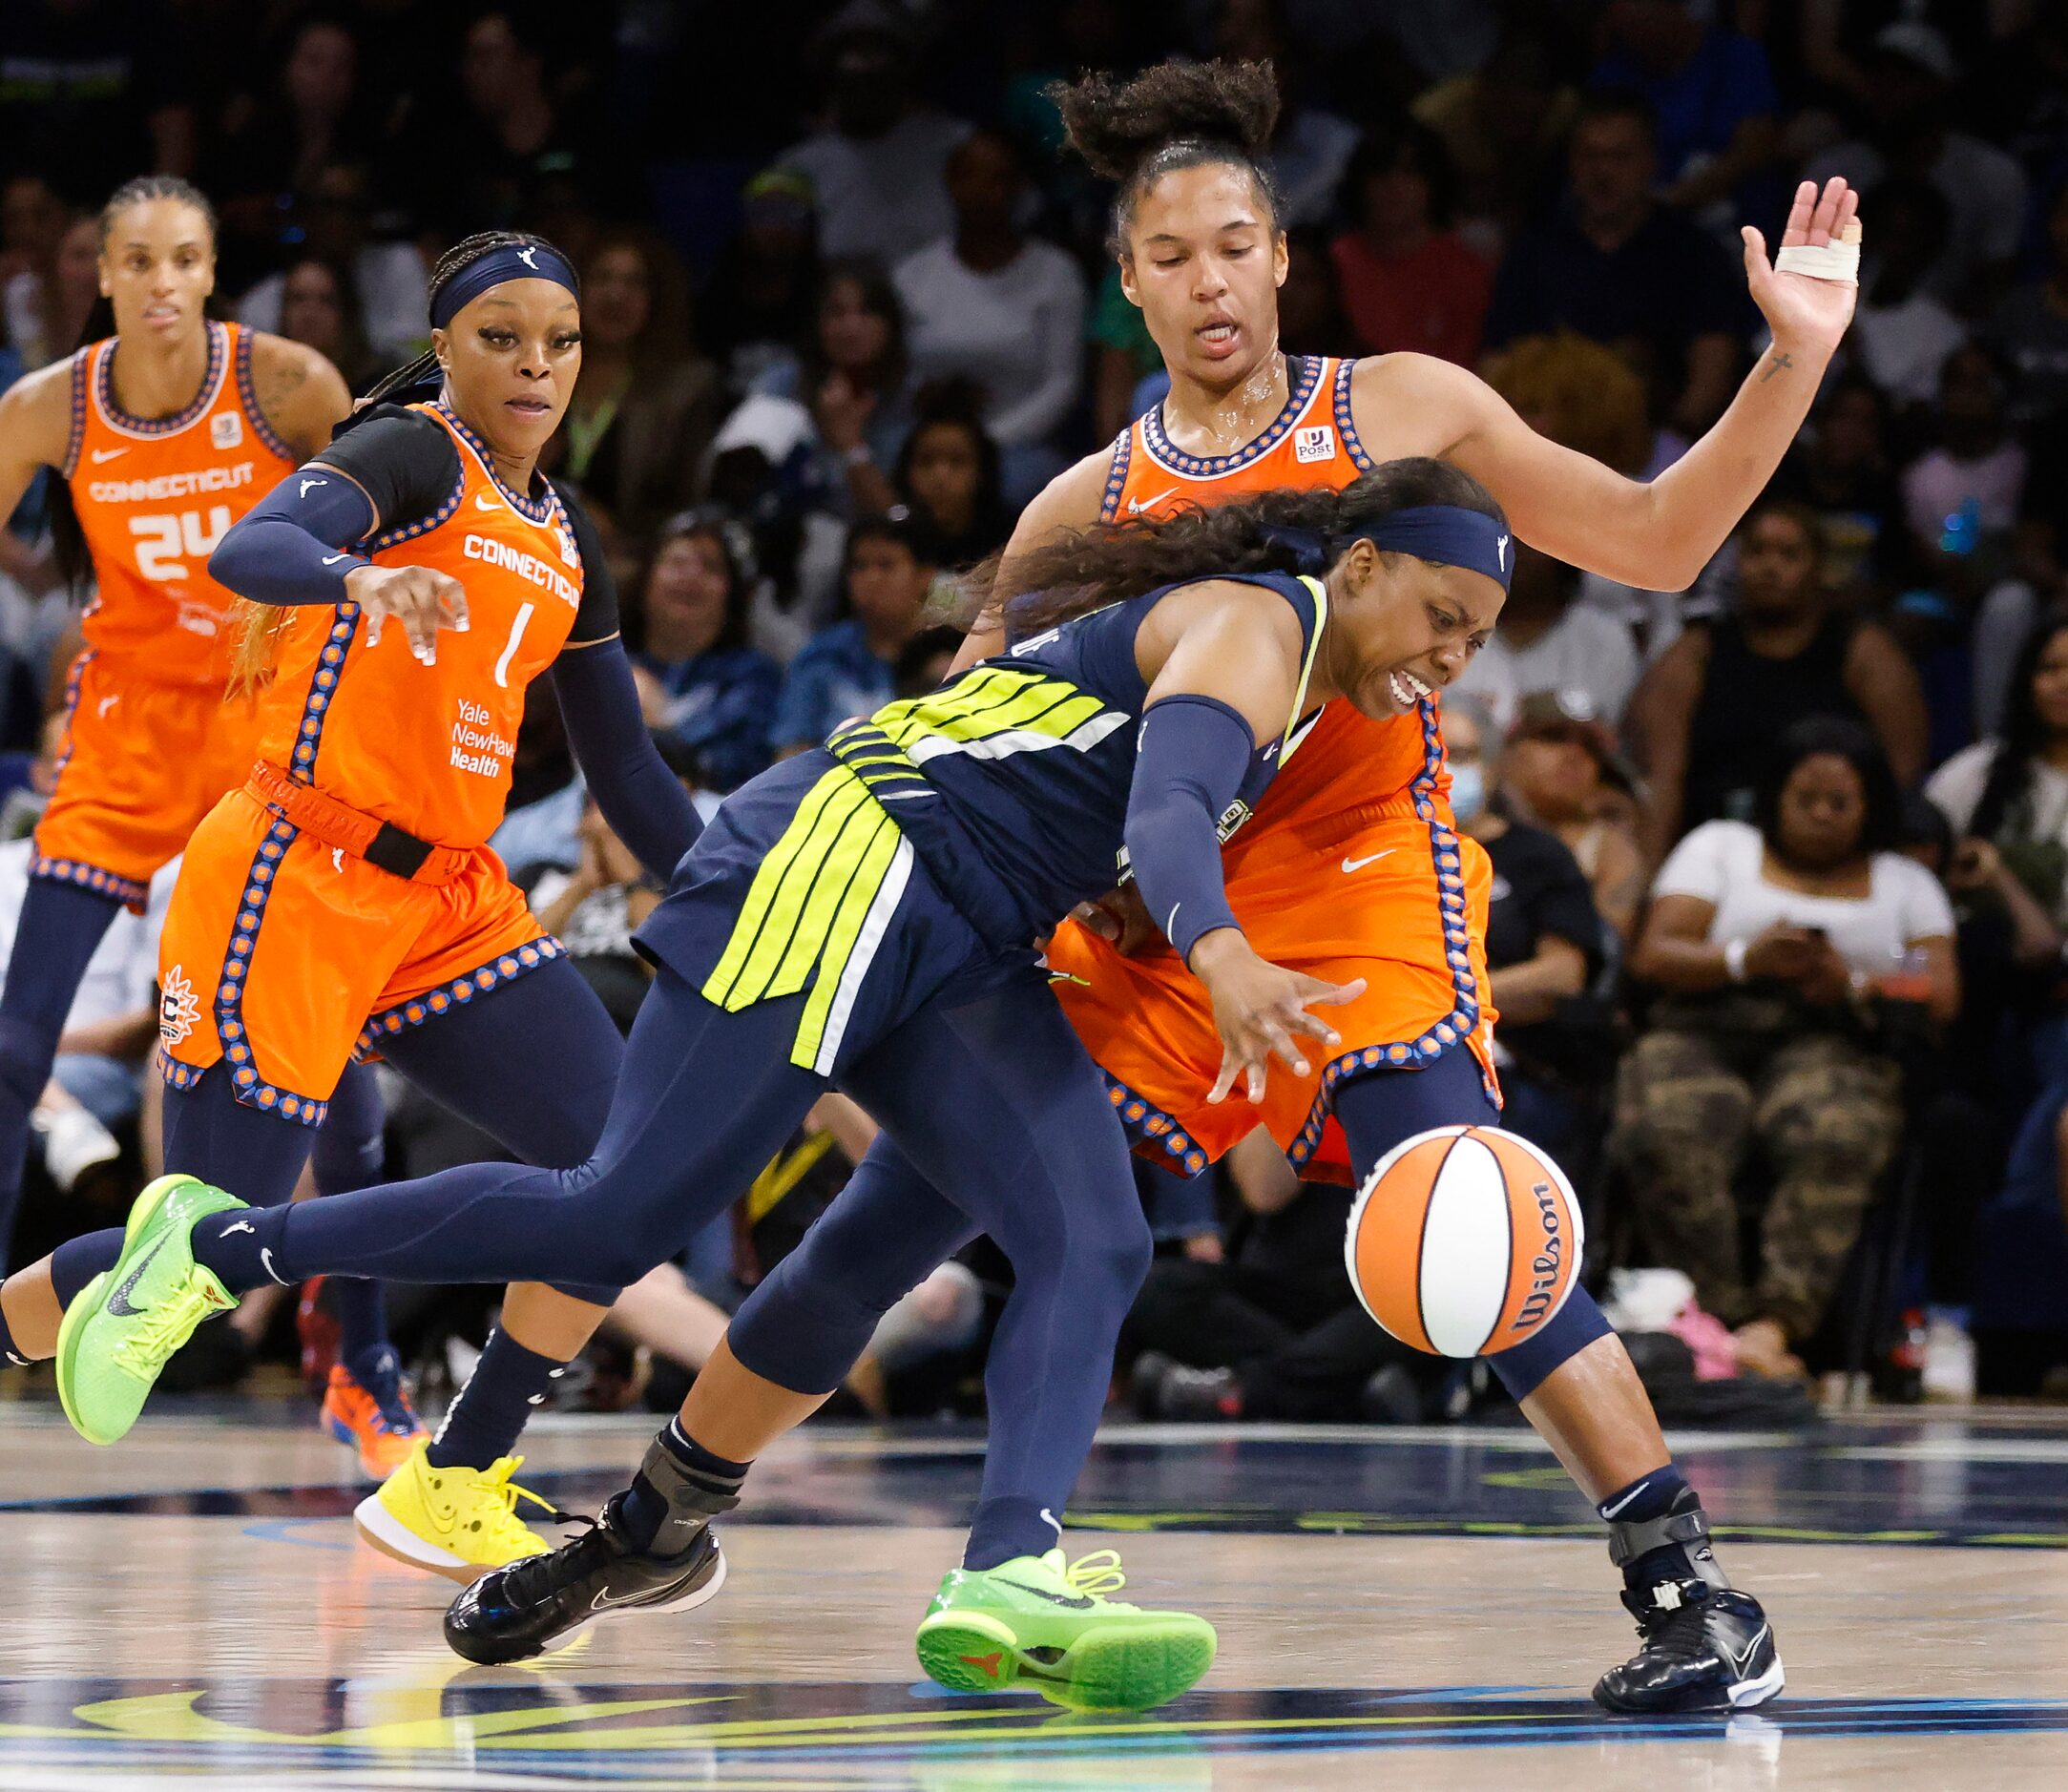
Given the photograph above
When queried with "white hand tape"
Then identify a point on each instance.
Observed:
(1837, 261)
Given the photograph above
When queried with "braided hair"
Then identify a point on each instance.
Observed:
(67, 540)
(1177, 114)
(1110, 562)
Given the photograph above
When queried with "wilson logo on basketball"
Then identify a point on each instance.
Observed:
(1546, 1266)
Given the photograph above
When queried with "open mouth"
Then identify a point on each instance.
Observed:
(1219, 338)
(1407, 690)
(529, 407)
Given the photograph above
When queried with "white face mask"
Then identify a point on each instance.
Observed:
(1468, 790)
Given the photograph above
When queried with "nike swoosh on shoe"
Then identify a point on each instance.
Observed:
(118, 1301)
(1079, 1604)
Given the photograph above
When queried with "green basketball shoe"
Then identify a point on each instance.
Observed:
(1037, 1622)
(121, 1326)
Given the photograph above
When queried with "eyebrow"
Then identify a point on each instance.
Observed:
(1233, 223)
(138, 242)
(489, 299)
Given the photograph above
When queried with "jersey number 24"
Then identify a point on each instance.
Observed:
(164, 544)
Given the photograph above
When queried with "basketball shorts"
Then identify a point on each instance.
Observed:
(284, 957)
(139, 765)
(1383, 894)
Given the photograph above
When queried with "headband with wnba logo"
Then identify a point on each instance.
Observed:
(1447, 534)
(507, 261)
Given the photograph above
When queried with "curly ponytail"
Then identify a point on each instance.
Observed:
(1177, 114)
(1273, 531)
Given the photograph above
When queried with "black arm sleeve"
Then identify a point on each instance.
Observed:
(640, 797)
(400, 459)
(596, 620)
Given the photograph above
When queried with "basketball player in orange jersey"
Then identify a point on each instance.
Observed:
(1361, 816)
(415, 577)
(166, 429)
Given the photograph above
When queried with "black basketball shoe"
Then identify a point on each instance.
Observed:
(1705, 1646)
(619, 1565)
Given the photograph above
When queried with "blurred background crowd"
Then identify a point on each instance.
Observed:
(847, 307)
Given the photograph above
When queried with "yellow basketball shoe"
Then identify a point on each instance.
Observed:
(455, 1522)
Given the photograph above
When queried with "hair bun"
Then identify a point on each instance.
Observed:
(1116, 125)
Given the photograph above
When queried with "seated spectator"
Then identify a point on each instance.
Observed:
(1795, 954)
(1840, 468)
(1506, 127)
(760, 301)
(848, 391)
(2006, 799)
(760, 478)
(32, 222)
(647, 403)
(1549, 641)
(390, 276)
(878, 172)
(923, 666)
(1408, 281)
(988, 304)
(1584, 397)
(311, 112)
(1912, 76)
(1544, 946)
(702, 683)
(1901, 334)
(948, 476)
(1703, 717)
(1713, 95)
(47, 305)
(2028, 330)
(319, 305)
(850, 669)
(1618, 267)
(1962, 499)
(1562, 772)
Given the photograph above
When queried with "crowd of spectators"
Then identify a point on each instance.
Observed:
(1781, 897)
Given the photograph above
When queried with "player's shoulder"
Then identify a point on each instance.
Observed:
(37, 412)
(298, 392)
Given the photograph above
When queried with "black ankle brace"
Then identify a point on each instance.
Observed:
(1680, 1541)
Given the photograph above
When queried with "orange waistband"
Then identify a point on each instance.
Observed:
(380, 844)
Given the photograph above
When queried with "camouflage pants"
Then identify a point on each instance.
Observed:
(1826, 1115)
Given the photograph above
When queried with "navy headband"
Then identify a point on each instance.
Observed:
(1445, 533)
(510, 260)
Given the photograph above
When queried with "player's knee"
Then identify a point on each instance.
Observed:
(1524, 1368)
(1117, 1255)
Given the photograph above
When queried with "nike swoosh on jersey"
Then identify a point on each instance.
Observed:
(102, 456)
(331, 559)
(483, 501)
(118, 1301)
(1135, 506)
(1358, 865)
(1077, 1604)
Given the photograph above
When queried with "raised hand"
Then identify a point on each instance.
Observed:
(1259, 1008)
(1806, 314)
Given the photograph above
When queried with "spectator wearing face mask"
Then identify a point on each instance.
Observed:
(1561, 771)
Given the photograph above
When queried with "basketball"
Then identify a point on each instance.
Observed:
(1464, 1240)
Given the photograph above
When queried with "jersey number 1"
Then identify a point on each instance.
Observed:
(510, 647)
(164, 544)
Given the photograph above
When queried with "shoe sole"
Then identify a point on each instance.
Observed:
(1131, 1667)
(1746, 1694)
(87, 1301)
(379, 1528)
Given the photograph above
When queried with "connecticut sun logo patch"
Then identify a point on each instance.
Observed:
(178, 1007)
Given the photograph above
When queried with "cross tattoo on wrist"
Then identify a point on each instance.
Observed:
(1779, 362)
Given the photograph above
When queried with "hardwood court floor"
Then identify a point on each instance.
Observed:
(1421, 1609)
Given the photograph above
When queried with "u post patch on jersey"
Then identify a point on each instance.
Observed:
(1317, 441)
(226, 429)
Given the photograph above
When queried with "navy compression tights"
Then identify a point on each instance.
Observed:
(992, 1100)
(813, 1315)
(532, 1063)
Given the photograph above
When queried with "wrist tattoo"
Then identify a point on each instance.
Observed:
(1779, 362)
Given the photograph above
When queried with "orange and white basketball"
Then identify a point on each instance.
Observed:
(1464, 1240)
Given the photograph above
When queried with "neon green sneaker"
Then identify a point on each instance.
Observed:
(121, 1326)
(1035, 1621)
